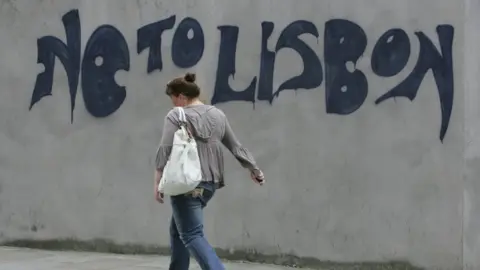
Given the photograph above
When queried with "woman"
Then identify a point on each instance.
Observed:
(211, 129)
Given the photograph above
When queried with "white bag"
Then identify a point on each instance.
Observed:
(182, 173)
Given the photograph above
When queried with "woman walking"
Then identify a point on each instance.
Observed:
(210, 128)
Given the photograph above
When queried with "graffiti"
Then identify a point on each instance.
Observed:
(48, 47)
(106, 52)
(101, 93)
(345, 42)
(440, 64)
(186, 52)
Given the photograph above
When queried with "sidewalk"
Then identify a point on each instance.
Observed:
(29, 259)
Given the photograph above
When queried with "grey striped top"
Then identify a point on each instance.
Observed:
(211, 130)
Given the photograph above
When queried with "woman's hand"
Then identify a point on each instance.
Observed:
(158, 194)
(258, 177)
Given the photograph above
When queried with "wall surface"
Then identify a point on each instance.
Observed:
(359, 115)
(471, 210)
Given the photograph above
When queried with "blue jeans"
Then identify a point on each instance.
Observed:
(186, 232)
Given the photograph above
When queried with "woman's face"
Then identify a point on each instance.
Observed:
(179, 101)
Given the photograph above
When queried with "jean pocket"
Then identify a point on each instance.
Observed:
(202, 194)
(196, 193)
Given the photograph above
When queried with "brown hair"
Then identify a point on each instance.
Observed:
(184, 85)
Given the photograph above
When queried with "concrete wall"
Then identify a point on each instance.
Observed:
(471, 177)
(349, 179)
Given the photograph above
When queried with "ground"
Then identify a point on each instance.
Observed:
(31, 259)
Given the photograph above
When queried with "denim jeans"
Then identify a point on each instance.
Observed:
(186, 232)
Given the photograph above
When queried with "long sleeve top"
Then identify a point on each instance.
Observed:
(210, 128)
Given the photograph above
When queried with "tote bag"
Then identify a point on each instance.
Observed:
(182, 173)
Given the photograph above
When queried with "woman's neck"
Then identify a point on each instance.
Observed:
(194, 102)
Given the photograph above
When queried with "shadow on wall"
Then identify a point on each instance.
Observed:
(346, 87)
(106, 246)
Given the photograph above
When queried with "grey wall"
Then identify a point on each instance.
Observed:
(374, 184)
(471, 176)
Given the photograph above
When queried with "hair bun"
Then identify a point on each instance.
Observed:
(190, 77)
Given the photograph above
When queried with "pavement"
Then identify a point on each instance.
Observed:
(31, 259)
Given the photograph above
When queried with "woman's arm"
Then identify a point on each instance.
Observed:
(239, 152)
(166, 142)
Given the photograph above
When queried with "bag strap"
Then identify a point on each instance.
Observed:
(182, 117)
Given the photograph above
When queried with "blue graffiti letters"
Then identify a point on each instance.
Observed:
(105, 54)
(442, 67)
(345, 42)
(48, 47)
